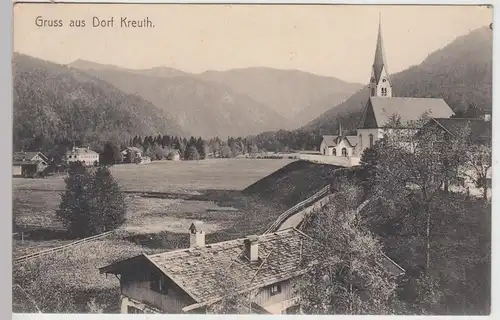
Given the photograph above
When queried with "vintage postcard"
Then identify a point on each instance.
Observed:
(252, 159)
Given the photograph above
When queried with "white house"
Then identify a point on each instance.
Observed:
(339, 146)
(382, 106)
(84, 155)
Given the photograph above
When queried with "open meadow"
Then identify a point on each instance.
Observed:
(184, 192)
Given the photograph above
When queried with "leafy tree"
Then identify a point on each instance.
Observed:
(91, 203)
(192, 153)
(111, 154)
(348, 280)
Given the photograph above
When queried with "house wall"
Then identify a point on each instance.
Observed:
(16, 170)
(139, 289)
(342, 145)
(323, 148)
(275, 304)
(88, 158)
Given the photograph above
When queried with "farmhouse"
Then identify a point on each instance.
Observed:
(130, 154)
(84, 155)
(382, 106)
(479, 132)
(28, 163)
(191, 280)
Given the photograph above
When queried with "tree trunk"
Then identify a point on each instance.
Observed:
(485, 188)
(428, 251)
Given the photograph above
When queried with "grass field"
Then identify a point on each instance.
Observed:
(153, 224)
(178, 176)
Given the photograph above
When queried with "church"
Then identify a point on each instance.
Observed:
(380, 108)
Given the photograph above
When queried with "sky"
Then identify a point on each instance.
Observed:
(329, 40)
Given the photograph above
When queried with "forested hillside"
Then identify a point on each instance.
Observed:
(460, 73)
(55, 105)
(201, 108)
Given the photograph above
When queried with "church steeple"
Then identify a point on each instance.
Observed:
(380, 83)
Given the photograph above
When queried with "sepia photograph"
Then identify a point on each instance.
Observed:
(252, 159)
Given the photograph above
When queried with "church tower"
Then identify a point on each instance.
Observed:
(380, 82)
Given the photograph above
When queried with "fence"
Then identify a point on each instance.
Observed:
(339, 161)
(60, 248)
(287, 214)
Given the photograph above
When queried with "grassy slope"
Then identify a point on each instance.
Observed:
(292, 183)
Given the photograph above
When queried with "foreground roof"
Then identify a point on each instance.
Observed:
(379, 110)
(200, 271)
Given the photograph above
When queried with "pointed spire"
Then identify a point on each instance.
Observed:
(379, 62)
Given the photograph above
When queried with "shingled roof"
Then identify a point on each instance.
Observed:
(379, 110)
(198, 271)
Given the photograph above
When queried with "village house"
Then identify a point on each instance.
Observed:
(191, 280)
(382, 107)
(479, 132)
(27, 164)
(131, 154)
(339, 145)
(84, 155)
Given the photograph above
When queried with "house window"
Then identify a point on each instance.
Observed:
(371, 140)
(275, 289)
(158, 283)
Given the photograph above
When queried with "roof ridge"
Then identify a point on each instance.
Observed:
(211, 245)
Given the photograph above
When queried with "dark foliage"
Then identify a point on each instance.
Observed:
(92, 202)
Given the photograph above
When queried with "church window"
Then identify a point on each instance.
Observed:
(383, 80)
(344, 152)
(384, 92)
(334, 152)
(371, 140)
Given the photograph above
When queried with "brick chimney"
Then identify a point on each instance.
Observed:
(196, 237)
(252, 248)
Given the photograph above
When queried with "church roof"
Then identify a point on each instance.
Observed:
(379, 110)
(379, 62)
